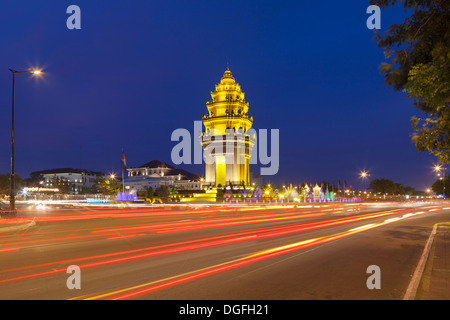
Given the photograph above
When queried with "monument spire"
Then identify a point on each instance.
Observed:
(226, 123)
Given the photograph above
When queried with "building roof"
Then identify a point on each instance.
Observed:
(156, 164)
(172, 170)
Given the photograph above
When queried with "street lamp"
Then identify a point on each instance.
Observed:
(438, 169)
(364, 176)
(12, 196)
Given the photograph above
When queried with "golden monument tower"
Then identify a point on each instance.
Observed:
(225, 138)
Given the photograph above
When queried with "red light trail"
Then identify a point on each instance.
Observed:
(223, 229)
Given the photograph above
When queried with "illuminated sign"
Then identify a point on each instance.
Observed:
(40, 189)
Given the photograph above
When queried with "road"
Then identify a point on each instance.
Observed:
(232, 252)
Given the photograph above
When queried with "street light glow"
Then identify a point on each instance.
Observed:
(437, 168)
(364, 175)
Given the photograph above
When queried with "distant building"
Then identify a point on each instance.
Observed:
(158, 174)
(78, 180)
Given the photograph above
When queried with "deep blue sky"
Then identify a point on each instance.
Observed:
(137, 70)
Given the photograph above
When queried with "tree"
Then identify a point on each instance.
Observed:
(166, 193)
(5, 183)
(34, 180)
(410, 191)
(384, 186)
(146, 192)
(438, 187)
(105, 186)
(150, 193)
(419, 63)
(162, 192)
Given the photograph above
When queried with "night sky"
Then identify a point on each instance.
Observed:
(137, 70)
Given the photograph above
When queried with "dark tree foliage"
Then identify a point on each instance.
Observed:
(439, 186)
(418, 53)
(384, 186)
(5, 183)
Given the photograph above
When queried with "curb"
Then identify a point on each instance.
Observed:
(417, 276)
(20, 227)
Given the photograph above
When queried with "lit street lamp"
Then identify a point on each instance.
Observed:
(438, 169)
(12, 196)
(364, 176)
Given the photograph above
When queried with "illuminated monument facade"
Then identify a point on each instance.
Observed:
(226, 140)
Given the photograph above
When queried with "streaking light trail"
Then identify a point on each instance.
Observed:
(119, 240)
(153, 286)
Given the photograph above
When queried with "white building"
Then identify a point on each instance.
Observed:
(78, 179)
(158, 174)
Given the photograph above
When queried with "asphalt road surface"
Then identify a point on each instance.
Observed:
(229, 252)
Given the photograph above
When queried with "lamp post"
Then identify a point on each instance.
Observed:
(12, 195)
(438, 169)
(112, 179)
(443, 183)
(364, 176)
